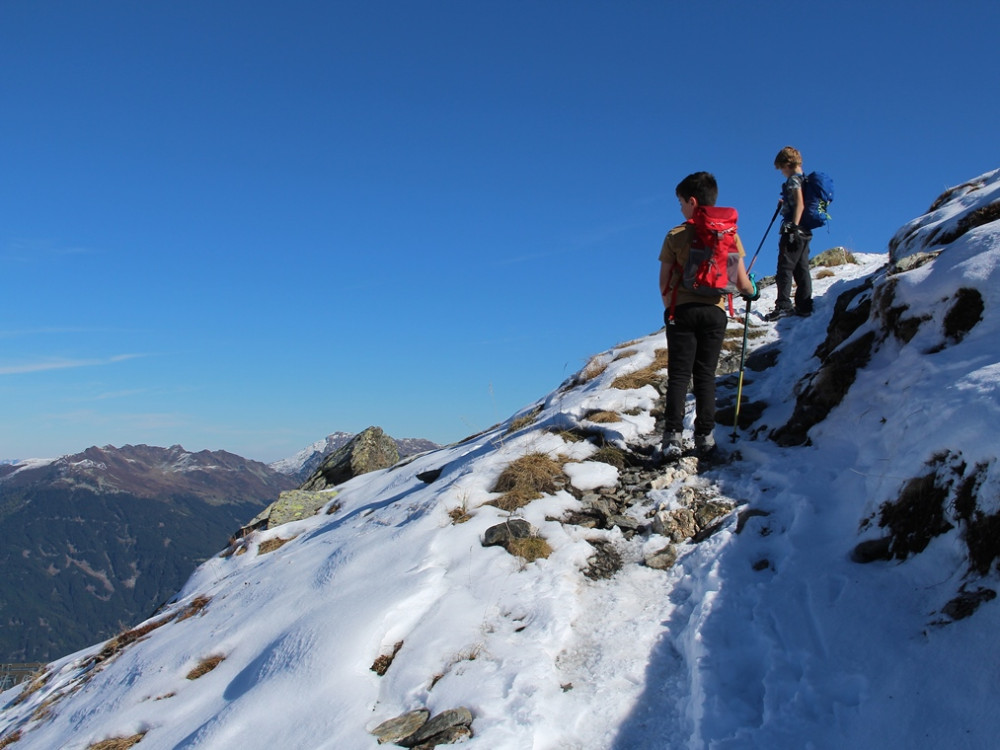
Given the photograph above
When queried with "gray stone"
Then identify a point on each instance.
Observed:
(292, 505)
(706, 513)
(440, 724)
(605, 561)
(871, 550)
(677, 525)
(664, 559)
(625, 523)
(367, 451)
(448, 737)
(402, 726)
(502, 533)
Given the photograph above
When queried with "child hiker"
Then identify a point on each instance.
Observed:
(793, 243)
(696, 321)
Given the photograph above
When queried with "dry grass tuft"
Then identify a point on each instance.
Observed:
(459, 514)
(195, 607)
(334, 507)
(117, 743)
(648, 375)
(824, 274)
(536, 471)
(594, 368)
(270, 545)
(384, 661)
(523, 421)
(568, 436)
(516, 498)
(10, 739)
(36, 684)
(626, 354)
(604, 417)
(206, 665)
(612, 455)
(127, 638)
(530, 548)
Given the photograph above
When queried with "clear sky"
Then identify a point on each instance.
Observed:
(245, 225)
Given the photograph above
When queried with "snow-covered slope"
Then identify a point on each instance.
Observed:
(846, 601)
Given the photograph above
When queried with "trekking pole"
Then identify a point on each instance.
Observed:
(757, 252)
(743, 359)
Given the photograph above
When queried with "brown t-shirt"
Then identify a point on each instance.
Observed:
(676, 246)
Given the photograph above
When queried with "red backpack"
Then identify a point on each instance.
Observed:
(714, 259)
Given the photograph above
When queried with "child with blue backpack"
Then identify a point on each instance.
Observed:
(793, 244)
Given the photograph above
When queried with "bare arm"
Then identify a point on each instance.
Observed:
(799, 206)
(665, 269)
(743, 280)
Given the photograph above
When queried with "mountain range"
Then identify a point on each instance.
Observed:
(98, 539)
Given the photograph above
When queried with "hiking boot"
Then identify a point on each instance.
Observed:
(705, 444)
(779, 312)
(673, 446)
(803, 313)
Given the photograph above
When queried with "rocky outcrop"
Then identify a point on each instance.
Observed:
(418, 729)
(367, 451)
(293, 505)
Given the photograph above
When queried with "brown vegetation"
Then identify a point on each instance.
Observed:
(117, 743)
(529, 548)
(648, 375)
(206, 665)
(270, 545)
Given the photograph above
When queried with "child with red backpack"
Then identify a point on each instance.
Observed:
(701, 263)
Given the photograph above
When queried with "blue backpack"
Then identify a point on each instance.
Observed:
(817, 195)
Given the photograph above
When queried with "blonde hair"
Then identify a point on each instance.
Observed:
(789, 156)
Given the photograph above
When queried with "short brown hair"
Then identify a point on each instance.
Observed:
(700, 185)
(789, 156)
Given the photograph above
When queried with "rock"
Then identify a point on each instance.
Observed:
(872, 550)
(501, 534)
(292, 505)
(967, 602)
(706, 513)
(367, 451)
(677, 525)
(430, 475)
(447, 737)
(625, 523)
(434, 731)
(664, 559)
(605, 561)
(401, 727)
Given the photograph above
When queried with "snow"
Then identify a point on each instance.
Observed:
(765, 635)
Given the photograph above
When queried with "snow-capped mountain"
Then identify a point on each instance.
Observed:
(829, 583)
(148, 471)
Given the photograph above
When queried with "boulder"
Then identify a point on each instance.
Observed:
(291, 505)
(401, 726)
(501, 534)
(367, 451)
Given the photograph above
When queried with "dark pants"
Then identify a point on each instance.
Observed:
(793, 263)
(694, 341)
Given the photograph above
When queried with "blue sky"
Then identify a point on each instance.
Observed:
(245, 225)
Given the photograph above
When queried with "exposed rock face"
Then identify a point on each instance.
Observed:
(292, 505)
(367, 451)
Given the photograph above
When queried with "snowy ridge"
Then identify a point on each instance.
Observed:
(766, 634)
